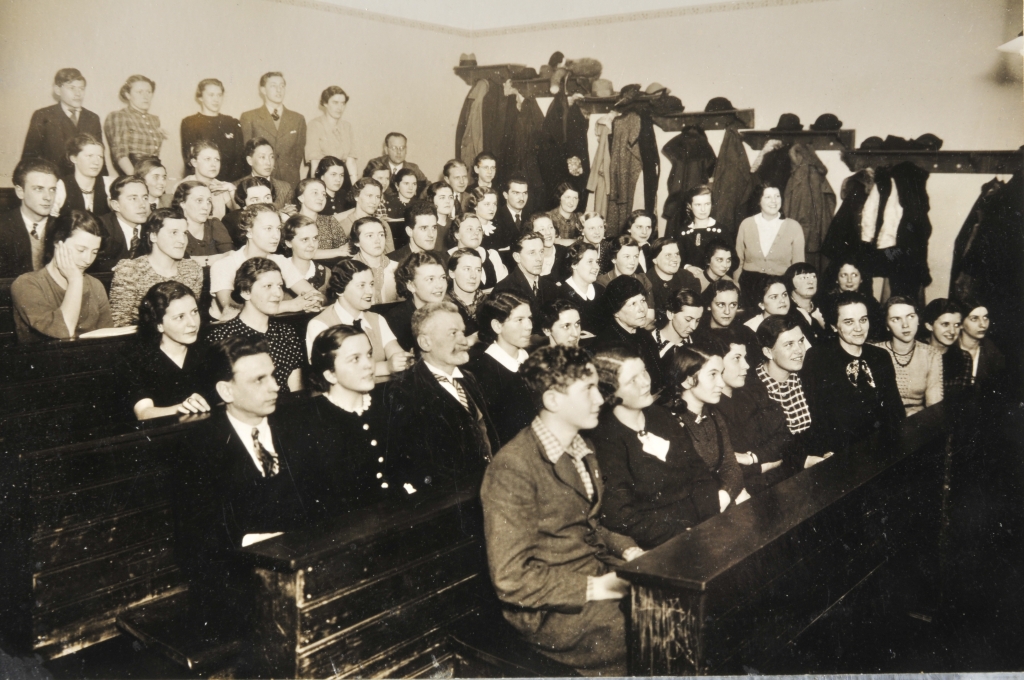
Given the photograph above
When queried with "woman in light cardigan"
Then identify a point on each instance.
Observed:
(767, 244)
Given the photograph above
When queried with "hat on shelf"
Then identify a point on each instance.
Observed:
(629, 94)
(827, 122)
(871, 144)
(929, 142)
(602, 87)
(657, 88)
(788, 122)
(718, 104)
(467, 59)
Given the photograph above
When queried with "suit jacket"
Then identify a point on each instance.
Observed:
(516, 283)
(507, 230)
(431, 438)
(544, 537)
(114, 248)
(49, 132)
(288, 138)
(16, 244)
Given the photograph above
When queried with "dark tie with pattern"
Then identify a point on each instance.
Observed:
(275, 115)
(74, 116)
(536, 290)
(519, 222)
(458, 389)
(268, 460)
(133, 246)
(35, 228)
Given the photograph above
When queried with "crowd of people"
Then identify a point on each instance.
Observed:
(441, 331)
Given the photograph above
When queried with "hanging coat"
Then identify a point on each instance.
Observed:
(732, 184)
(626, 165)
(775, 169)
(599, 182)
(469, 134)
(809, 199)
(517, 153)
(905, 262)
(564, 138)
(692, 159)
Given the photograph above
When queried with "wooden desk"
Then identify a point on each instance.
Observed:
(739, 589)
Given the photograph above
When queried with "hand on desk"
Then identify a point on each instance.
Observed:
(607, 587)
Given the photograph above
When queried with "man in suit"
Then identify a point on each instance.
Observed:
(395, 148)
(551, 561)
(259, 154)
(421, 226)
(456, 175)
(129, 203)
(524, 279)
(241, 480)
(23, 230)
(283, 128)
(53, 127)
(439, 429)
(511, 218)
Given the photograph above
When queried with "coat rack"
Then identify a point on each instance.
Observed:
(975, 162)
(709, 120)
(826, 140)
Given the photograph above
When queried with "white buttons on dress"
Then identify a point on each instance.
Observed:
(373, 442)
(366, 426)
(379, 475)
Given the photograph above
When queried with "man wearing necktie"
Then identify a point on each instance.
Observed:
(52, 127)
(551, 561)
(395, 147)
(525, 279)
(23, 229)
(129, 203)
(283, 128)
(456, 175)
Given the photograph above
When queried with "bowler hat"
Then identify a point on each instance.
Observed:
(657, 88)
(827, 122)
(467, 59)
(871, 144)
(719, 104)
(788, 122)
(929, 142)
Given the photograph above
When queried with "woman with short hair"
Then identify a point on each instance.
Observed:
(213, 126)
(774, 301)
(465, 273)
(204, 159)
(338, 182)
(208, 239)
(640, 225)
(163, 240)
(161, 373)
(133, 132)
(154, 174)
(560, 322)
(918, 365)
(468, 233)
(483, 204)
(717, 263)
(666, 273)
(311, 197)
(802, 283)
(581, 286)
(300, 239)
(366, 194)
(396, 201)
(767, 243)
(83, 189)
(442, 197)
(328, 134)
(564, 216)
(624, 255)
(368, 238)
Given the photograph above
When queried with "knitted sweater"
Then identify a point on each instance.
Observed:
(786, 249)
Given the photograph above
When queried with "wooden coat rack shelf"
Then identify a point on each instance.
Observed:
(497, 72)
(832, 140)
(971, 162)
(715, 120)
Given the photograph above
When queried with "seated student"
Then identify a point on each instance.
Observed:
(161, 373)
(506, 324)
(441, 196)
(259, 154)
(250, 190)
(593, 232)
(420, 279)
(918, 365)
(510, 219)
(240, 479)
(338, 182)
(656, 484)
(123, 225)
(551, 560)
(625, 304)
(717, 263)
(851, 386)
(440, 428)
(346, 425)
(783, 349)
(639, 225)
(484, 204)
(212, 125)
(696, 228)
(23, 230)
(553, 264)
(366, 194)
(625, 257)
(468, 233)
(721, 299)
(943, 319)
(560, 322)
(456, 175)
(684, 312)
(208, 239)
(83, 189)
(259, 289)
(262, 226)
(525, 280)
(51, 128)
(581, 287)
(564, 216)
(987, 365)
(850, 279)
(352, 289)
(380, 172)
(395, 148)
(310, 197)
(300, 242)
(419, 225)
(665, 273)
(396, 199)
(465, 271)
(695, 388)
(368, 241)
(773, 301)
(801, 281)
(757, 425)
(61, 300)
(161, 253)
(154, 174)
(485, 168)
(204, 159)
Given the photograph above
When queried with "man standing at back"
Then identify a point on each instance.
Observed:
(283, 128)
(395, 148)
(551, 561)
(53, 127)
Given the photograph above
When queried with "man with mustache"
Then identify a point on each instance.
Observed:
(851, 386)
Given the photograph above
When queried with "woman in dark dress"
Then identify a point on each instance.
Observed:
(333, 173)
(161, 373)
(396, 200)
(505, 324)
(345, 426)
(580, 287)
(656, 485)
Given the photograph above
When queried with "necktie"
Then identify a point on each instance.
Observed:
(275, 115)
(74, 116)
(581, 468)
(357, 324)
(536, 291)
(458, 390)
(35, 229)
(519, 221)
(268, 460)
(135, 242)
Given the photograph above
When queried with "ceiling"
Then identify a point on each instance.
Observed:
(495, 14)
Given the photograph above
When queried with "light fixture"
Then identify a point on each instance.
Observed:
(1015, 46)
